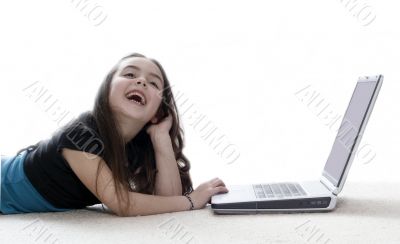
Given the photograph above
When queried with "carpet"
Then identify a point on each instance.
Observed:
(365, 213)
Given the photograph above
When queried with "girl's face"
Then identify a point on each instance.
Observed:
(136, 89)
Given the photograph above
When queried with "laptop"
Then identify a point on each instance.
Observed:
(309, 196)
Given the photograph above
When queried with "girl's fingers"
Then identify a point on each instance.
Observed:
(217, 182)
(220, 189)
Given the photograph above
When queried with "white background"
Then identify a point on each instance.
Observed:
(240, 63)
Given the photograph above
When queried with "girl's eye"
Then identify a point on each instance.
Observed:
(130, 74)
(154, 84)
(133, 75)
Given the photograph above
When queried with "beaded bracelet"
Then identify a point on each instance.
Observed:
(190, 200)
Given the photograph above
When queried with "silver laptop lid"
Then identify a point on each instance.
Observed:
(350, 132)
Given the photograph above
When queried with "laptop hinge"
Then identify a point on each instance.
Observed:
(329, 185)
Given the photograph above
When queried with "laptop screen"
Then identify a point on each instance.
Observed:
(348, 131)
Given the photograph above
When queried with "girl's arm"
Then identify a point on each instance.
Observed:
(85, 169)
(141, 204)
(168, 180)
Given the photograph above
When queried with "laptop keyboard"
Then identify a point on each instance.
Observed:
(278, 190)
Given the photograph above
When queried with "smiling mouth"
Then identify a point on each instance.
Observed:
(136, 97)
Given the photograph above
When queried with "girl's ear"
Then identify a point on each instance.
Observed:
(162, 112)
(158, 116)
(154, 120)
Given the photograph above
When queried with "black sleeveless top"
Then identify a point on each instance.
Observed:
(50, 173)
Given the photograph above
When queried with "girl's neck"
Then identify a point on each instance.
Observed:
(129, 127)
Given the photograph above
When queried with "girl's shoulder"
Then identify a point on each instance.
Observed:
(85, 119)
(80, 134)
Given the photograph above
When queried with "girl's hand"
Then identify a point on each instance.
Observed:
(159, 127)
(203, 193)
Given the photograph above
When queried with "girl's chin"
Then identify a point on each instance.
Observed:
(136, 116)
(137, 113)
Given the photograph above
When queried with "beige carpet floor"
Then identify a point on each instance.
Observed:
(366, 213)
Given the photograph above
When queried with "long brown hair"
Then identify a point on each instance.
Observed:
(135, 171)
(141, 173)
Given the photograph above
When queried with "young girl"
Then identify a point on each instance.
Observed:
(126, 153)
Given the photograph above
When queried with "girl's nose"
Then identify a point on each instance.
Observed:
(141, 82)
